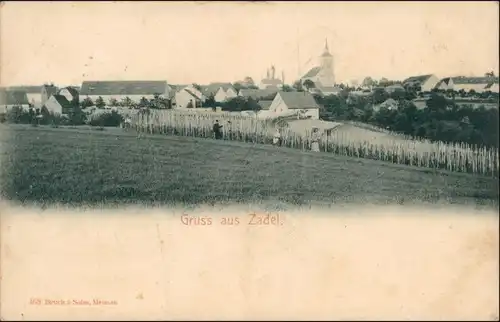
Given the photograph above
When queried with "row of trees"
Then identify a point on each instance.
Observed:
(441, 120)
(76, 116)
(156, 102)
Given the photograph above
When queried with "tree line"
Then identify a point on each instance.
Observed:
(441, 119)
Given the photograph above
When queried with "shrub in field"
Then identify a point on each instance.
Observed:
(17, 114)
(107, 118)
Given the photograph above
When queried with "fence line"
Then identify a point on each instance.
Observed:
(457, 157)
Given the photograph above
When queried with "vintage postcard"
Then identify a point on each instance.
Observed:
(249, 160)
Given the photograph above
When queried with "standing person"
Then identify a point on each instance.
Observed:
(277, 137)
(315, 140)
(217, 130)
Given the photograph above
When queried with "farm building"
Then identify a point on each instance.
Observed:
(425, 82)
(270, 81)
(48, 91)
(394, 88)
(58, 104)
(257, 94)
(9, 99)
(34, 93)
(120, 90)
(445, 84)
(187, 98)
(70, 93)
(221, 91)
(301, 104)
(478, 84)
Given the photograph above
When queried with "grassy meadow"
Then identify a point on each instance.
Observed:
(75, 167)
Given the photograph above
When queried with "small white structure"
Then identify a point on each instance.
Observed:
(301, 104)
(58, 104)
(425, 82)
(185, 98)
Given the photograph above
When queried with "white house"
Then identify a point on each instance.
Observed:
(58, 104)
(9, 99)
(193, 89)
(425, 82)
(185, 98)
(445, 84)
(301, 104)
(120, 90)
(70, 93)
(47, 91)
(221, 91)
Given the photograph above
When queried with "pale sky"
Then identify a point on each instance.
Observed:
(67, 43)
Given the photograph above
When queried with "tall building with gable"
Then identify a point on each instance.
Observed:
(322, 75)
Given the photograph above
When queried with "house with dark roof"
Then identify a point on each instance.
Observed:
(70, 93)
(265, 105)
(257, 94)
(120, 90)
(221, 91)
(478, 84)
(10, 98)
(394, 88)
(34, 93)
(301, 104)
(425, 82)
(58, 104)
(445, 84)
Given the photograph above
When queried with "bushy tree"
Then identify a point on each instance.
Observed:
(99, 102)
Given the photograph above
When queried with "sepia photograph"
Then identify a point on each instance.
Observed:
(252, 125)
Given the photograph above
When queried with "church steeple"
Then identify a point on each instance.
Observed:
(326, 52)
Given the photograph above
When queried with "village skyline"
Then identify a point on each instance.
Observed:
(126, 41)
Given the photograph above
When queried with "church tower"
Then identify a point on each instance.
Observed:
(326, 75)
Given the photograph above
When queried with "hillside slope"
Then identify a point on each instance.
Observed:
(75, 167)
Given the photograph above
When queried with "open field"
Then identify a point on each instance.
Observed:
(345, 139)
(76, 166)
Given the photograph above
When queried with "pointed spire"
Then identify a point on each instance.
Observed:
(326, 44)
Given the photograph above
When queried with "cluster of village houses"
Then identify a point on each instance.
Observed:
(269, 92)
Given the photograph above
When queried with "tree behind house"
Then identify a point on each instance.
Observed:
(87, 102)
(99, 102)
